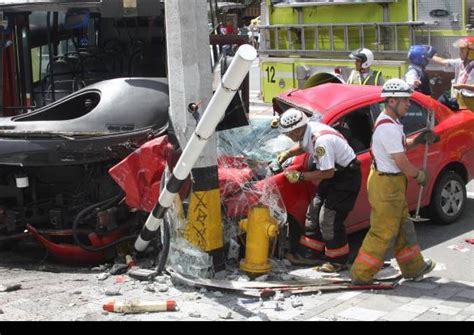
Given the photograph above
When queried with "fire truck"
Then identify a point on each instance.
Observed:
(305, 43)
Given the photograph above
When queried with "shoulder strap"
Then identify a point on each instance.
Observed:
(351, 78)
(470, 66)
(377, 76)
(318, 134)
(464, 75)
(382, 122)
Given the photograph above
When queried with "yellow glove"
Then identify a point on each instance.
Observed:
(422, 177)
(294, 176)
(283, 156)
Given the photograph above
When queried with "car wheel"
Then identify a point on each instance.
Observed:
(8, 245)
(448, 199)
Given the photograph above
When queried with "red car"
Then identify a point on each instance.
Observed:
(352, 109)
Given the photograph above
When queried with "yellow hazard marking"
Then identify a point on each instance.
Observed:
(204, 229)
(320, 151)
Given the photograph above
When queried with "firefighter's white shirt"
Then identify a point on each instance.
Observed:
(387, 139)
(327, 150)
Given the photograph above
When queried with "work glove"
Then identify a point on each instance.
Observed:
(294, 176)
(283, 156)
(426, 136)
(422, 177)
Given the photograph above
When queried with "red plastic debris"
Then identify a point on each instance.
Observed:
(139, 174)
(469, 240)
(73, 254)
(121, 279)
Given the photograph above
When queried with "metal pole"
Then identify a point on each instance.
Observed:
(213, 114)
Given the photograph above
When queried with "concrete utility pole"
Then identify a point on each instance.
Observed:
(190, 81)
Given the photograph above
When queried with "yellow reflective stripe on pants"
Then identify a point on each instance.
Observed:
(388, 222)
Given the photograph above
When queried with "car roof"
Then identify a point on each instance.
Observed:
(330, 98)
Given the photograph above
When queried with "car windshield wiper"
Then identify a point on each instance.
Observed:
(46, 134)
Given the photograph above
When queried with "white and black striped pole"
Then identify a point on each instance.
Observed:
(213, 114)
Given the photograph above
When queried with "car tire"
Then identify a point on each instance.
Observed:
(8, 245)
(448, 199)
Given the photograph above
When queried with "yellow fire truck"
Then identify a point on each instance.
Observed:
(304, 43)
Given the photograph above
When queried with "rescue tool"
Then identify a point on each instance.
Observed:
(267, 289)
(429, 124)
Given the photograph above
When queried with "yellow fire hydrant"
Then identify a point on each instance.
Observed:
(260, 227)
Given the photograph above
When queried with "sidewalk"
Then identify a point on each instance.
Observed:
(52, 292)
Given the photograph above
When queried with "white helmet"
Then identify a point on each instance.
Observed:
(396, 88)
(364, 55)
(292, 119)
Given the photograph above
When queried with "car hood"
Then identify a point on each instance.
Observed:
(326, 98)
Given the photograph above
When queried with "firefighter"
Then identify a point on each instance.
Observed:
(362, 74)
(416, 76)
(337, 171)
(386, 187)
(462, 92)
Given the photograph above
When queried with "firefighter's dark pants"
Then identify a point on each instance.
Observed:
(328, 210)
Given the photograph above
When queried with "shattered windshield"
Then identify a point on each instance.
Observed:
(244, 155)
(258, 141)
(246, 158)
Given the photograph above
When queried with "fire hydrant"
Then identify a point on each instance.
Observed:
(260, 227)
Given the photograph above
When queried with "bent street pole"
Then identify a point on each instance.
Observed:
(190, 82)
(213, 114)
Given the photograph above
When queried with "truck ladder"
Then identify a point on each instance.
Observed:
(342, 38)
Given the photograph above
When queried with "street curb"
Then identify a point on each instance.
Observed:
(258, 103)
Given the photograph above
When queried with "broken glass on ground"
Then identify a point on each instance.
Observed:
(187, 259)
